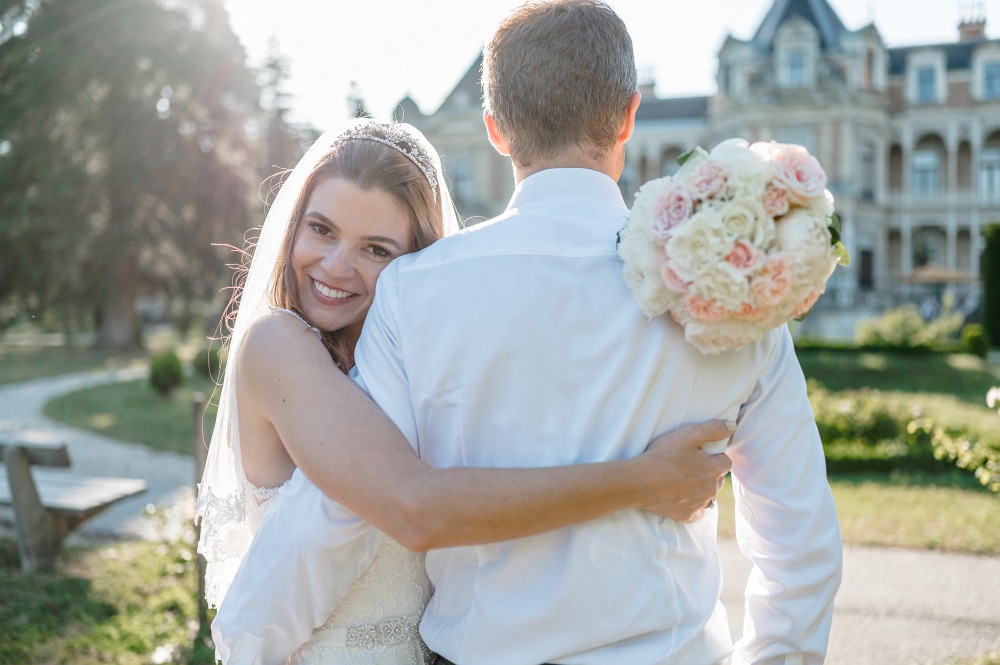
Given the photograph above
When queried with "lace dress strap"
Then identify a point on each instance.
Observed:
(300, 318)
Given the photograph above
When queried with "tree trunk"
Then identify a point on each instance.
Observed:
(118, 323)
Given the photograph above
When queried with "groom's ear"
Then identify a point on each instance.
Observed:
(628, 125)
(496, 138)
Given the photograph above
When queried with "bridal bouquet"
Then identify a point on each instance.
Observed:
(741, 240)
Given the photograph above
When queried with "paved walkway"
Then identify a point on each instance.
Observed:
(896, 607)
(169, 476)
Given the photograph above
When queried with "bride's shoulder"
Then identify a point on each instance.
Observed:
(280, 339)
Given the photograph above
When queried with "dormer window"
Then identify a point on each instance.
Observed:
(796, 53)
(925, 77)
(991, 80)
(796, 76)
(926, 85)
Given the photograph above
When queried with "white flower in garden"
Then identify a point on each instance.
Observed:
(993, 398)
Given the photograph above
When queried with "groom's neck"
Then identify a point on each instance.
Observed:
(609, 163)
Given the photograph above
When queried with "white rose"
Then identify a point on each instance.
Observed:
(748, 172)
(724, 284)
(642, 259)
(700, 241)
(746, 218)
(716, 338)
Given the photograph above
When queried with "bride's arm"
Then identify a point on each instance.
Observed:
(355, 454)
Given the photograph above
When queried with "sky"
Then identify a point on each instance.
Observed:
(394, 48)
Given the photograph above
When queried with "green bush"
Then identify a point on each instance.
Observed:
(165, 373)
(989, 268)
(975, 340)
(208, 363)
(904, 327)
(863, 431)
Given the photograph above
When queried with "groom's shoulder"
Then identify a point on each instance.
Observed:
(471, 241)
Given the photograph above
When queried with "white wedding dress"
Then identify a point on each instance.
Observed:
(376, 623)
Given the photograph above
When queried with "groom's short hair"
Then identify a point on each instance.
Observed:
(558, 74)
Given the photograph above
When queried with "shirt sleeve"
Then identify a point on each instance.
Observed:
(301, 563)
(786, 521)
(379, 368)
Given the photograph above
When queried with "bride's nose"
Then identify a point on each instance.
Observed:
(339, 261)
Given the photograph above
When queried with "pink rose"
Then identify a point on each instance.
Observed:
(671, 280)
(702, 309)
(674, 206)
(755, 313)
(775, 201)
(810, 300)
(708, 179)
(744, 256)
(773, 281)
(798, 172)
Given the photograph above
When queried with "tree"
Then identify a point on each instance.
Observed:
(124, 156)
(989, 266)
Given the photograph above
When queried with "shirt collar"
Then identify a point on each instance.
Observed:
(573, 183)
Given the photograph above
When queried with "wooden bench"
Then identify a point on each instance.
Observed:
(48, 505)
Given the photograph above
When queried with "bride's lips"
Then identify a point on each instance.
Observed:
(330, 295)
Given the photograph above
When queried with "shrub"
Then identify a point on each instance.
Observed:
(975, 340)
(208, 363)
(165, 373)
(904, 328)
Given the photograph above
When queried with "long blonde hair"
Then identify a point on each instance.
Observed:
(370, 166)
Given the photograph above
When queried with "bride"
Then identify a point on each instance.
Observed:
(360, 197)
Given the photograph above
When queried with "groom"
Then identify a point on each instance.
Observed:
(522, 331)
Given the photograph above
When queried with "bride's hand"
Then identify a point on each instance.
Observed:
(681, 479)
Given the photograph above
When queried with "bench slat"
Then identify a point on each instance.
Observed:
(75, 495)
(42, 454)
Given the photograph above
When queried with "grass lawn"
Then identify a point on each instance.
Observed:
(130, 603)
(133, 411)
(26, 362)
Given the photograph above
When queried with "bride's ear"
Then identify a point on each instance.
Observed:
(496, 138)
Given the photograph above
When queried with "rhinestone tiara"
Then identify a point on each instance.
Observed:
(393, 135)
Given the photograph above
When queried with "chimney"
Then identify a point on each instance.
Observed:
(972, 25)
(647, 82)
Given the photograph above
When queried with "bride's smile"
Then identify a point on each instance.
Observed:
(346, 237)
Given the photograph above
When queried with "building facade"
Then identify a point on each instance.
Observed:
(909, 137)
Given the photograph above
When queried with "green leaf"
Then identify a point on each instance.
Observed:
(686, 156)
(843, 256)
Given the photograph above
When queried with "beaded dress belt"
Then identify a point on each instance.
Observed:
(441, 660)
(386, 632)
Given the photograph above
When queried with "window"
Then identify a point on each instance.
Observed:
(991, 80)
(926, 172)
(926, 85)
(796, 68)
(461, 182)
(866, 270)
(867, 184)
(989, 173)
(868, 79)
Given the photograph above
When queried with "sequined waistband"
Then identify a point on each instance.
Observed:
(385, 632)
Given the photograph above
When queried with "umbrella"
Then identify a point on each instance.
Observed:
(932, 274)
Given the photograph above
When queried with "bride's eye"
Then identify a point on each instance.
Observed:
(318, 228)
(379, 252)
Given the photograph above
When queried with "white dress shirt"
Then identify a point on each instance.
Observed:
(517, 343)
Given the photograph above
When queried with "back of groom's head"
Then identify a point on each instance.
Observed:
(559, 74)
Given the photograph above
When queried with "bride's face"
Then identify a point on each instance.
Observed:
(345, 239)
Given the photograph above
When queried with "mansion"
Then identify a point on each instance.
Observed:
(909, 137)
